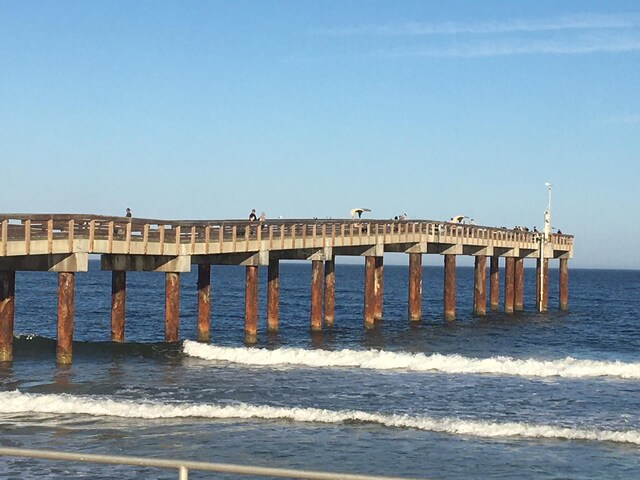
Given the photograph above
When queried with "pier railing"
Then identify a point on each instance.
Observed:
(25, 234)
(183, 466)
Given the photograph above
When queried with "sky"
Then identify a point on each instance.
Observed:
(301, 109)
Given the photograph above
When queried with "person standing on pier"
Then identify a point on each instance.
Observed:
(128, 214)
(252, 215)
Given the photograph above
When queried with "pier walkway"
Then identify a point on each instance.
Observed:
(62, 243)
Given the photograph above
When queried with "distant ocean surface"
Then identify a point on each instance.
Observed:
(527, 395)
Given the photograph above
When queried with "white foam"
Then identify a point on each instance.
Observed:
(18, 402)
(417, 362)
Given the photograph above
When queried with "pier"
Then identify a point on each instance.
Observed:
(62, 243)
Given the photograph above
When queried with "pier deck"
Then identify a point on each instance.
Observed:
(62, 243)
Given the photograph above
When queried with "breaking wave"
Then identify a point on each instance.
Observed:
(417, 362)
(18, 402)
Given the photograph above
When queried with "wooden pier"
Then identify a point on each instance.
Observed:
(62, 243)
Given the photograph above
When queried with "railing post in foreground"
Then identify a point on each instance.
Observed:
(183, 473)
(204, 303)
(118, 304)
(329, 291)
(494, 284)
(449, 287)
(251, 304)
(415, 287)
(480, 285)
(171, 306)
(7, 308)
(64, 342)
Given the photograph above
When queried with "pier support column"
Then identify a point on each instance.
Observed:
(203, 326)
(316, 295)
(7, 308)
(480, 286)
(449, 287)
(494, 284)
(542, 284)
(509, 283)
(171, 306)
(518, 285)
(118, 304)
(369, 291)
(251, 304)
(378, 287)
(273, 292)
(329, 291)
(563, 284)
(64, 343)
(415, 286)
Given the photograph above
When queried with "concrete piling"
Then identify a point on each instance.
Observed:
(518, 285)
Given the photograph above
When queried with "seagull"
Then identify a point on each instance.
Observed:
(358, 211)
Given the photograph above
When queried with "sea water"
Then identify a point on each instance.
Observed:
(527, 395)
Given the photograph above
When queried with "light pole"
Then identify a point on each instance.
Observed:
(543, 240)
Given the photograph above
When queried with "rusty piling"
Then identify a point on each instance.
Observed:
(509, 275)
(415, 287)
(480, 285)
(273, 293)
(449, 287)
(316, 295)
(369, 291)
(203, 325)
(563, 284)
(251, 304)
(378, 287)
(494, 284)
(7, 309)
(329, 291)
(171, 306)
(518, 285)
(118, 304)
(64, 342)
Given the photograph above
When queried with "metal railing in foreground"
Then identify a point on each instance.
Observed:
(183, 466)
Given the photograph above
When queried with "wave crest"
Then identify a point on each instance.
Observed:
(18, 402)
(417, 362)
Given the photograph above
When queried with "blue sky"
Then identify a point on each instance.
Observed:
(201, 110)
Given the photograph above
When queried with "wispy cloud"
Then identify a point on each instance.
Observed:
(631, 119)
(567, 22)
(585, 44)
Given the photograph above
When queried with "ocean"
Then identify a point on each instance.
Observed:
(527, 395)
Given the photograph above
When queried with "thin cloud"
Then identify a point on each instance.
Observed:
(519, 46)
(632, 119)
(582, 21)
